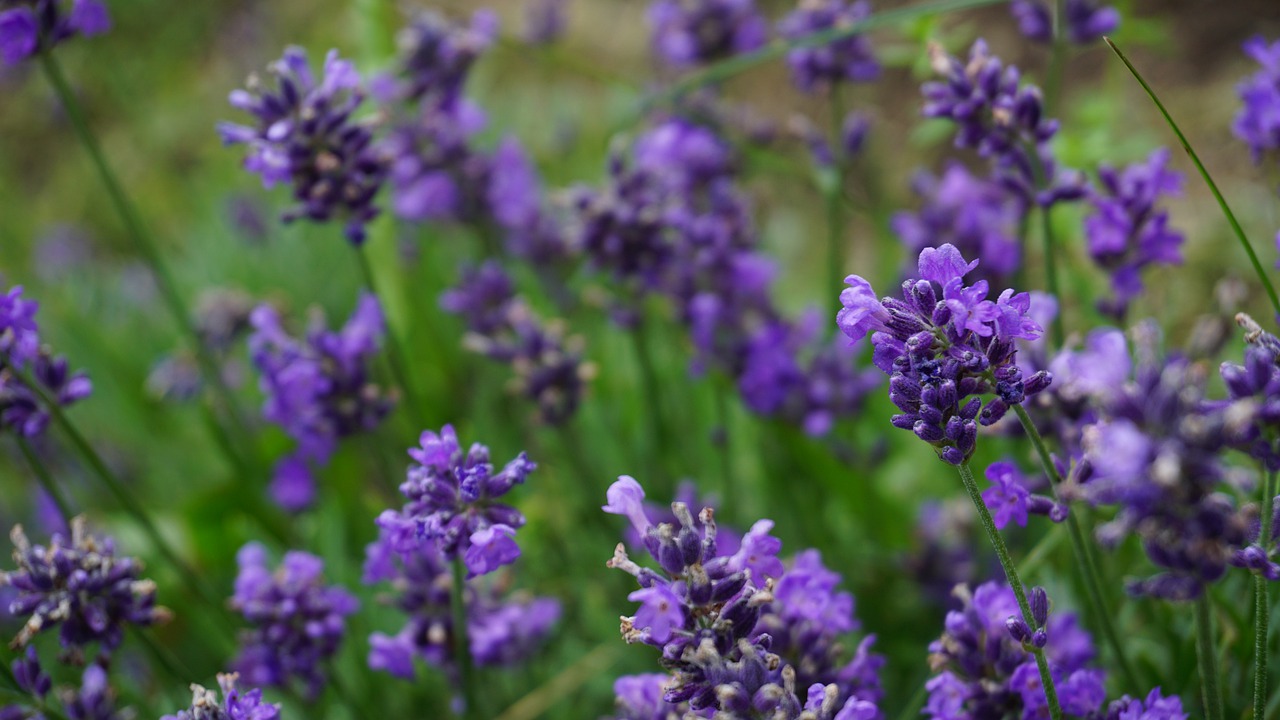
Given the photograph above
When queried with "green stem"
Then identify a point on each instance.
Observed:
(126, 499)
(1057, 58)
(1051, 273)
(163, 657)
(1210, 687)
(653, 397)
(1015, 582)
(1213, 187)
(1085, 566)
(461, 645)
(1262, 603)
(142, 240)
(831, 181)
(396, 352)
(724, 446)
(47, 482)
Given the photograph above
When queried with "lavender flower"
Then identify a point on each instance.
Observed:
(501, 630)
(849, 59)
(435, 56)
(1254, 415)
(1002, 121)
(94, 699)
(306, 136)
(1155, 707)
(985, 666)
(544, 21)
(318, 390)
(31, 26)
(943, 353)
(23, 409)
(1127, 231)
(694, 32)
(296, 623)
(1009, 499)
(640, 697)
(1258, 121)
(452, 503)
(702, 609)
(234, 704)
(1156, 455)
(1084, 21)
(81, 587)
(978, 216)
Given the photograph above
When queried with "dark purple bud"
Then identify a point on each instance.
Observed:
(928, 433)
(1039, 601)
(1017, 628)
(1037, 382)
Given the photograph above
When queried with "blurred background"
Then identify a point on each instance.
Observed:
(156, 85)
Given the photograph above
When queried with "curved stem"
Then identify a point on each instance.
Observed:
(1087, 569)
(1210, 687)
(396, 353)
(142, 240)
(46, 481)
(461, 645)
(1015, 582)
(1262, 602)
(1213, 187)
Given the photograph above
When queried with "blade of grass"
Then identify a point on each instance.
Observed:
(1213, 187)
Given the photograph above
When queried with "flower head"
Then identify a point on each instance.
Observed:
(848, 59)
(234, 705)
(1258, 121)
(692, 32)
(25, 24)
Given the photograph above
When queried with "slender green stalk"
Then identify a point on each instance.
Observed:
(1051, 273)
(721, 71)
(164, 657)
(1262, 603)
(1213, 187)
(461, 644)
(1057, 58)
(125, 498)
(1210, 686)
(46, 481)
(1085, 566)
(831, 182)
(1015, 582)
(653, 396)
(142, 240)
(396, 352)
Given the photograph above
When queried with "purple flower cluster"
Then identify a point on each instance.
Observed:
(452, 503)
(549, 367)
(296, 622)
(31, 26)
(318, 390)
(1127, 231)
(79, 585)
(708, 613)
(307, 135)
(978, 216)
(500, 630)
(94, 699)
(23, 409)
(1003, 121)
(848, 59)
(942, 350)
(985, 668)
(694, 32)
(1156, 454)
(234, 705)
(674, 222)
(1258, 121)
(436, 56)
(1254, 390)
(1009, 498)
(1084, 21)
(1155, 707)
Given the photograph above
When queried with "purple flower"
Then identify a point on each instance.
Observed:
(1155, 707)
(1258, 121)
(94, 699)
(639, 697)
(296, 622)
(544, 21)
(626, 498)
(436, 56)
(306, 136)
(1127, 231)
(660, 611)
(79, 585)
(849, 59)
(942, 353)
(234, 705)
(318, 389)
(1009, 499)
(24, 23)
(693, 32)
(491, 548)
(1085, 21)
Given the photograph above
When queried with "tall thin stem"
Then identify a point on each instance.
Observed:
(1084, 560)
(1057, 58)
(461, 644)
(47, 482)
(1051, 272)
(1262, 601)
(1210, 687)
(396, 352)
(653, 395)
(1213, 187)
(142, 240)
(831, 182)
(1015, 582)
